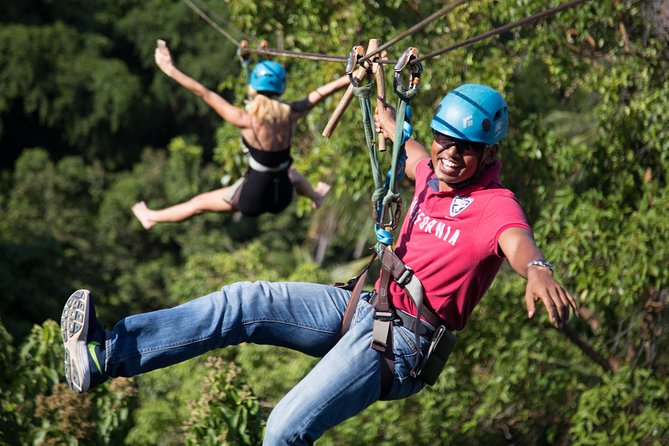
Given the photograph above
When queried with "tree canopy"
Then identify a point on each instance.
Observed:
(89, 125)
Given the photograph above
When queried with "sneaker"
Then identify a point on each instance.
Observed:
(84, 338)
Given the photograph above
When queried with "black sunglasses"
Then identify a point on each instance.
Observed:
(463, 147)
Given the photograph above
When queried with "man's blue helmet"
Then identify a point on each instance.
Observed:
(472, 112)
(268, 77)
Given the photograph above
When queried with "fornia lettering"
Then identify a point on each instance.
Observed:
(433, 226)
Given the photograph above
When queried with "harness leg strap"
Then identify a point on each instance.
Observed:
(383, 335)
(387, 369)
(357, 283)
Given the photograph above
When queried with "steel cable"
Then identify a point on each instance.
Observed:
(213, 24)
(417, 27)
(501, 29)
(221, 19)
(422, 24)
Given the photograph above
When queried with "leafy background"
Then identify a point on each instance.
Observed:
(89, 126)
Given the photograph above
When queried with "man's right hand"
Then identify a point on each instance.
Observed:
(384, 120)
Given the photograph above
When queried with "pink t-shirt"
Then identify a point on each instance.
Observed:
(450, 240)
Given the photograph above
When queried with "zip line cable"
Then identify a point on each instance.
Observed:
(295, 54)
(221, 19)
(329, 58)
(417, 27)
(501, 29)
(300, 55)
(325, 57)
(213, 24)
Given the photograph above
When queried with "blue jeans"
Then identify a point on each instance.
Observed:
(301, 316)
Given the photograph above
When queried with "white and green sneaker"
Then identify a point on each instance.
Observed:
(84, 338)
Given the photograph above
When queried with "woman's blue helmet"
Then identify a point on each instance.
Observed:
(472, 112)
(268, 77)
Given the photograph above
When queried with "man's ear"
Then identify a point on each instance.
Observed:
(490, 154)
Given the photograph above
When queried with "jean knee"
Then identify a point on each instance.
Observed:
(281, 431)
(240, 292)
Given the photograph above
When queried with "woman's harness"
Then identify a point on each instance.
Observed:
(266, 186)
(267, 162)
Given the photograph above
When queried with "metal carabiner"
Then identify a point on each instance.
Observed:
(357, 52)
(416, 70)
(410, 54)
(392, 211)
(242, 50)
(262, 46)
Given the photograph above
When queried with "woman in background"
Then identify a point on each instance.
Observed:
(266, 126)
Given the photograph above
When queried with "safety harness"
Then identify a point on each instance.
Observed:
(386, 210)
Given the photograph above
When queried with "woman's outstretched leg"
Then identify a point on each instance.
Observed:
(213, 201)
(303, 187)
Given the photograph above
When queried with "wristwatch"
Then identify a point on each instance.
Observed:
(542, 263)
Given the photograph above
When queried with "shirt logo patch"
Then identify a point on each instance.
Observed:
(459, 204)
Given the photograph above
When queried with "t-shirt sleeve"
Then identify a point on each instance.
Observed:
(503, 212)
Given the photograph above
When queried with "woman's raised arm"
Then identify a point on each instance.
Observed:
(227, 111)
(305, 105)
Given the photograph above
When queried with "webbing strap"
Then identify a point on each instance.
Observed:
(385, 193)
(358, 283)
(383, 316)
(394, 267)
(406, 278)
(382, 340)
(259, 167)
(245, 69)
(386, 209)
(363, 93)
(244, 59)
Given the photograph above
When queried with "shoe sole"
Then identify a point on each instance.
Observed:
(74, 329)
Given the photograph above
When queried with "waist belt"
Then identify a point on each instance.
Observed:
(401, 317)
(410, 322)
(259, 167)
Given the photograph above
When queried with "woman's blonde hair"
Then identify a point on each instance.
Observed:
(267, 109)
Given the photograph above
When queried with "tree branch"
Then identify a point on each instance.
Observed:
(587, 349)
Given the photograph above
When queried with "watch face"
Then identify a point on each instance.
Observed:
(542, 263)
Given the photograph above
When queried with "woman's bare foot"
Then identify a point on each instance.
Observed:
(142, 213)
(321, 190)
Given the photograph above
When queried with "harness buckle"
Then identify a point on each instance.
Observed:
(405, 277)
(384, 316)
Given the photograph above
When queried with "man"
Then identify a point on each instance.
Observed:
(460, 226)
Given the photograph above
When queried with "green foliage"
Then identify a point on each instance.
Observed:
(587, 155)
(38, 407)
(164, 397)
(209, 271)
(61, 77)
(227, 412)
(39, 263)
(629, 407)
